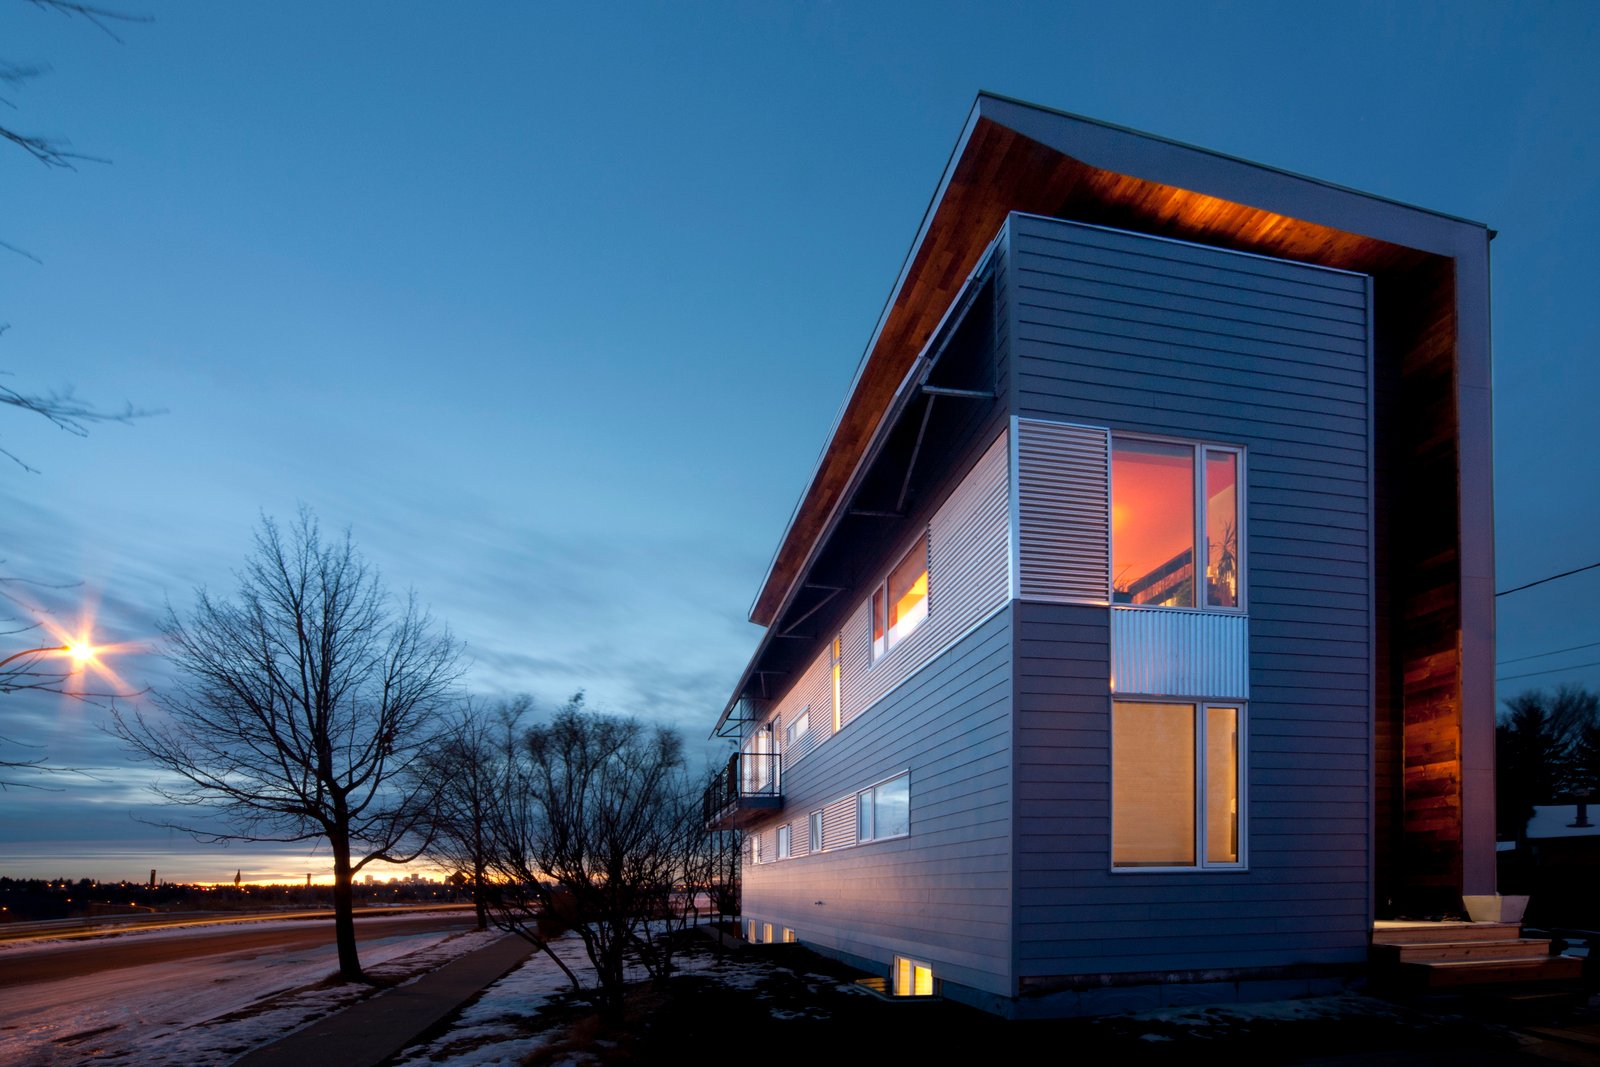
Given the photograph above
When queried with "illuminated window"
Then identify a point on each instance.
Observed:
(797, 727)
(1161, 511)
(838, 670)
(766, 933)
(783, 842)
(750, 931)
(815, 828)
(884, 810)
(788, 936)
(900, 604)
(1175, 785)
(911, 978)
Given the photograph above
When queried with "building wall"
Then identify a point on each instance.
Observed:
(1139, 334)
(942, 894)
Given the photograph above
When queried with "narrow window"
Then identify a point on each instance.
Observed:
(755, 848)
(750, 931)
(1175, 785)
(788, 936)
(797, 728)
(815, 828)
(766, 933)
(783, 841)
(900, 604)
(838, 664)
(1222, 528)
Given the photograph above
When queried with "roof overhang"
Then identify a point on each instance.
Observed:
(1014, 156)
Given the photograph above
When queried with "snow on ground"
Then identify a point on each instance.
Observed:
(203, 1010)
(504, 1026)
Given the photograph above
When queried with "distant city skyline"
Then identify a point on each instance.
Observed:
(554, 308)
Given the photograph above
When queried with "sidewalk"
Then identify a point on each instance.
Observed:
(368, 1033)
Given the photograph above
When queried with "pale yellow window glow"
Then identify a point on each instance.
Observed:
(1222, 785)
(1152, 786)
(912, 979)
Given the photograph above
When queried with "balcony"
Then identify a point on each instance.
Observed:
(743, 791)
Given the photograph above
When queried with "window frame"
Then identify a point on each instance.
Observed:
(1199, 450)
(814, 830)
(792, 736)
(911, 965)
(878, 602)
(785, 842)
(1241, 786)
(871, 820)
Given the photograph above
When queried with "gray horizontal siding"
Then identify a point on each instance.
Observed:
(1162, 337)
(943, 893)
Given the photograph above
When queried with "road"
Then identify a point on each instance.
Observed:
(75, 959)
(198, 994)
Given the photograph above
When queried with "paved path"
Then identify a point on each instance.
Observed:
(370, 1032)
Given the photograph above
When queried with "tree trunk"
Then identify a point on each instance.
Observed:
(344, 919)
(477, 896)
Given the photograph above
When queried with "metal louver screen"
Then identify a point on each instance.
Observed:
(839, 823)
(1063, 512)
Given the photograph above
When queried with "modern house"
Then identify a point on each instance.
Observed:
(1132, 642)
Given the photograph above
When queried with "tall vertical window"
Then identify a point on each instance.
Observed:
(838, 671)
(784, 847)
(814, 828)
(1172, 505)
(1175, 785)
(900, 604)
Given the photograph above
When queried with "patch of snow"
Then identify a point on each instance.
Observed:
(207, 1009)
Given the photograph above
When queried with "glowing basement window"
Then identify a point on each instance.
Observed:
(750, 931)
(788, 936)
(912, 978)
(766, 933)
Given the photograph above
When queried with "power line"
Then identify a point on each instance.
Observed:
(1553, 577)
(1541, 655)
(1552, 670)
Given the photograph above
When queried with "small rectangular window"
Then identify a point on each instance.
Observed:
(766, 933)
(815, 828)
(788, 936)
(797, 728)
(755, 848)
(912, 978)
(900, 604)
(783, 841)
(884, 810)
(750, 931)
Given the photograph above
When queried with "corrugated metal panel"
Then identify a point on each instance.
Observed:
(839, 823)
(1063, 512)
(1180, 653)
(968, 578)
(813, 694)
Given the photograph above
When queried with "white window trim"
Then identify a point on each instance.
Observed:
(784, 845)
(791, 736)
(906, 774)
(1240, 503)
(815, 844)
(1200, 866)
(894, 978)
(874, 657)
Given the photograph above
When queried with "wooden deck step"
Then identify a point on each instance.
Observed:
(1386, 932)
(1448, 974)
(1519, 948)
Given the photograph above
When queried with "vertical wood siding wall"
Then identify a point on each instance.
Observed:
(1139, 334)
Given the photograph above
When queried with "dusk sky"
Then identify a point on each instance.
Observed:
(553, 306)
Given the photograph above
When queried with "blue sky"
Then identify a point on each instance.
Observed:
(553, 307)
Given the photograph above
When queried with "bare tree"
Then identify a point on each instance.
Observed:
(468, 766)
(594, 826)
(303, 707)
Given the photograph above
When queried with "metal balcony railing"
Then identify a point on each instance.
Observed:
(748, 785)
